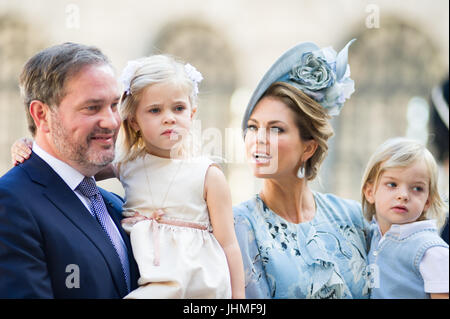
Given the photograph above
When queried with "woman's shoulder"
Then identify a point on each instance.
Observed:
(247, 218)
(333, 199)
(339, 207)
(245, 209)
(250, 212)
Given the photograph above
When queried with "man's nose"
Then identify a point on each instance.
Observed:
(110, 118)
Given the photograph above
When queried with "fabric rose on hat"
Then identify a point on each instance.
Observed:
(324, 75)
(313, 73)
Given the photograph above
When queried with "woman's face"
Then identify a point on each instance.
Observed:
(273, 144)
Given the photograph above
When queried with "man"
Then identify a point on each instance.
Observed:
(59, 238)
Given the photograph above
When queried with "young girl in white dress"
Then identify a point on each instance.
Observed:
(177, 208)
(400, 196)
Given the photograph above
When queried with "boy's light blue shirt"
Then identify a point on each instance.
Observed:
(397, 256)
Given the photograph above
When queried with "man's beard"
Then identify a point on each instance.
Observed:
(80, 152)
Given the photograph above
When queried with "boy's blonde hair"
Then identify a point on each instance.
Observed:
(402, 152)
(151, 70)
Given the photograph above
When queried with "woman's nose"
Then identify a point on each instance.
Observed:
(261, 136)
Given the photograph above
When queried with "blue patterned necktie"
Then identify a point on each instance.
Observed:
(88, 188)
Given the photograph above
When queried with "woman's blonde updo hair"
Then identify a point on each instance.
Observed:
(151, 70)
(311, 119)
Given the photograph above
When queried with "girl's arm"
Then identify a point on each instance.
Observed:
(218, 199)
(21, 151)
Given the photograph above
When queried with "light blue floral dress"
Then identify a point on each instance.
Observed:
(323, 258)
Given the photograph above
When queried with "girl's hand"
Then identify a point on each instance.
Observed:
(21, 150)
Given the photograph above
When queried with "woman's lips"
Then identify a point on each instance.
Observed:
(261, 158)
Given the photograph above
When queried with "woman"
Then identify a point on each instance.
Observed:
(295, 242)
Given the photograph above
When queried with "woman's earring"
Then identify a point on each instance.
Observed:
(301, 171)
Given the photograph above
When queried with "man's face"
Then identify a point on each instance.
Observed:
(84, 127)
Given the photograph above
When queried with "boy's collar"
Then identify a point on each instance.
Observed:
(404, 230)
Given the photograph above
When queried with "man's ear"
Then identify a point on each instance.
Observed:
(40, 112)
(369, 192)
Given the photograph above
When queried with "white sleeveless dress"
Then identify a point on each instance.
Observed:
(175, 261)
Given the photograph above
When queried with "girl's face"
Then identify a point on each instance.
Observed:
(273, 144)
(402, 195)
(163, 116)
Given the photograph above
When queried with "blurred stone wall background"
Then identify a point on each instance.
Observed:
(401, 52)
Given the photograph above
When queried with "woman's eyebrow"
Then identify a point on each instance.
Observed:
(270, 122)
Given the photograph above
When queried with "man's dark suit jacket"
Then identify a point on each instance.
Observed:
(48, 237)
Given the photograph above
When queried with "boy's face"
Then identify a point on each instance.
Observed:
(401, 196)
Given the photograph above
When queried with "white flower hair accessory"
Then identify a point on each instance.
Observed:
(194, 75)
(128, 74)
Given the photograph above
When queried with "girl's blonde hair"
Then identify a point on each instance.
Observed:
(151, 70)
(402, 152)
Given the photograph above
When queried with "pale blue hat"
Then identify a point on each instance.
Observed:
(322, 74)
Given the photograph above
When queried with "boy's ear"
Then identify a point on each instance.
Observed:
(369, 193)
